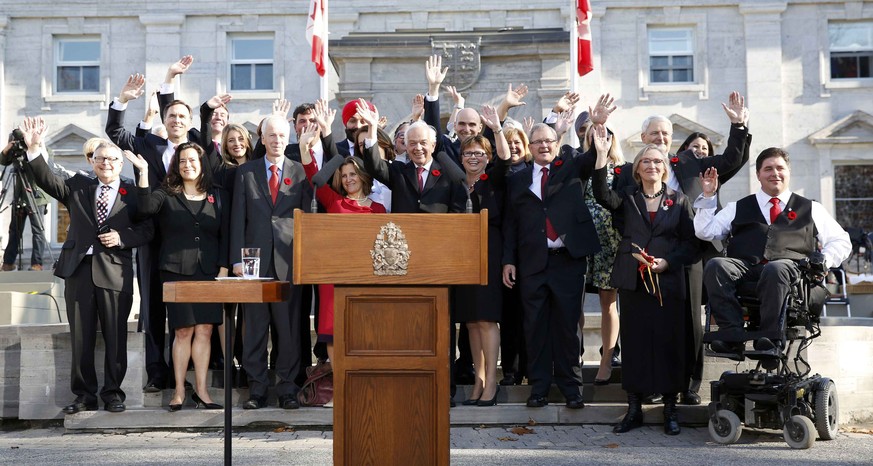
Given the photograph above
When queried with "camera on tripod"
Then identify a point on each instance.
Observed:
(19, 146)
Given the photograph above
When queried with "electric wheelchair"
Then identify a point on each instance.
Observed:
(779, 393)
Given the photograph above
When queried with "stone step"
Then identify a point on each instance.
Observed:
(502, 414)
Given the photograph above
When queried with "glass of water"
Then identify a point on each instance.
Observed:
(251, 259)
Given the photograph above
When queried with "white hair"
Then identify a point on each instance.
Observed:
(277, 121)
(543, 126)
(648, 121)
(431, 133)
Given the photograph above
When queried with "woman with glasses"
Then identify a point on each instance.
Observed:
(481, 307)
(657, 242)
(191, 216)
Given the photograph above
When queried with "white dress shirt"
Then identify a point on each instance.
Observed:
(535, 188)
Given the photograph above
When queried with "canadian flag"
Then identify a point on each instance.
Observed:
(583, 24)
(316, 33)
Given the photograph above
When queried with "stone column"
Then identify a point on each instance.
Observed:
(163, 45)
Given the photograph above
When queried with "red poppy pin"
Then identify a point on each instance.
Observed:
(483, 176)
(122, 191)
(435, 172)
(210, 199)
(668, 203)
(559, 162)
(287, 181)
(674, 159)
(791, 215)
(617, 170)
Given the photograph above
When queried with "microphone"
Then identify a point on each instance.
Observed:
(456, 174)
(321, 178)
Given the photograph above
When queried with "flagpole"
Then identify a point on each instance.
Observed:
(574, 64)
(324, 80)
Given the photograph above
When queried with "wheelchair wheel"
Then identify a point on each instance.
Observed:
(798, 432)
(725, 428)
(827, 410)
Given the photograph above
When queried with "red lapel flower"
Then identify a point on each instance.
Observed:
(674, 159)
(287, 181)
(483, 176)
(435, 172)
(791, 215)
(559, 162)
(122, 191)
(617, 170)
(668, 202)
(210, 199)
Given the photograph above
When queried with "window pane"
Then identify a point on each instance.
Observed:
(665, 41)
(264, 77)
(851, 36)
(843, 66)
(660, 76)
(864, 66)
(683, 76)
(659, 62)
(253, 49)
(682, 61)
(68, 78)
(241, 77)
(79, 51)
(91, 78)
(854, 196)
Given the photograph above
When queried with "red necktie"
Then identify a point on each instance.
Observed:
(314, 162)
(550, 230)
(420, 179)
(775, 210)
(274, 182)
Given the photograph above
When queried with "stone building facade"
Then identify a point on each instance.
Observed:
(803, 65)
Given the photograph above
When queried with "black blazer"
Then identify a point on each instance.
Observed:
(670, 236)
(151, 147)
(524, 226)
(111, 268)
(189, 239)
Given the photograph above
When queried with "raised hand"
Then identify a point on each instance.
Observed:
(219, 100)
(33, 129)
(417, 107)
(513, 97)
(528, 124)
(324, 115)
(602, 109)
(602, 140)
(180, 67)
(736, 108)
(565, 102)
(369, 116)
(457, 98)
(151, 108)
(281, 107)
(137, 161)
(132, 89)
(383, 121)
(490, 118)
(565, 122)
(709, 181)
(307, 140)
(435, 74)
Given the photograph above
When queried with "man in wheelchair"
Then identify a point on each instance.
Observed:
(772, 234)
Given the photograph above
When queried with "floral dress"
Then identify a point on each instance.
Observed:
(600, 264)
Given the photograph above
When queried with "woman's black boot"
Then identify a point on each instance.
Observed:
(634, 416)
(671, 416)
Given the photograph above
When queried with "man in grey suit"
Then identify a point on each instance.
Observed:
(266, 193)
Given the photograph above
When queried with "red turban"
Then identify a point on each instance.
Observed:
(351, 108)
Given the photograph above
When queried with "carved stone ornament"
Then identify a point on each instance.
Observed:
(462, 58)
(391, 253)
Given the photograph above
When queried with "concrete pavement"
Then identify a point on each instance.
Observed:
(480, 446)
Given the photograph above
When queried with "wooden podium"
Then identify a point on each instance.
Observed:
(391, 331)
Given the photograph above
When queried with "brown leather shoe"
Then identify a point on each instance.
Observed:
(7, 267)
(36, 267)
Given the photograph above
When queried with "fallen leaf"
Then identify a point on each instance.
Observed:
(521, 430)
(283, 429)
(531, 422)
(14, 448)
(507, 439)
(611, 445)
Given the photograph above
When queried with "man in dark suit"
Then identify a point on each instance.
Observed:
(96, 263)
(352, 122)
(548, 232)
(157, 152)
(266, 193)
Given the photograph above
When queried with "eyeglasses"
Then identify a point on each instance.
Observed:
(475, 153)
(106, 159)
(651, 161)
(544, 142)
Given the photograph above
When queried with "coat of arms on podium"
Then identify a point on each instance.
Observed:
(391, 253)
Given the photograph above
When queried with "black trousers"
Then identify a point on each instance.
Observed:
(694, 328)
(774, 283)
(513, 359)
(88, 305)
(153, 315)
(285, 317)
(552, 301)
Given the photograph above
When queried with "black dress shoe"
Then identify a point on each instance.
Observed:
(575, 403)
(727, 348)
(451, 402)
(77, 406)
(255, 402)
(115, 407)
(508, 379)
(536, 401)
(491, 402)
(288, 402)
(689, 397)
(175, 407)
(470, 402)
(153, 386)
(200, 404)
